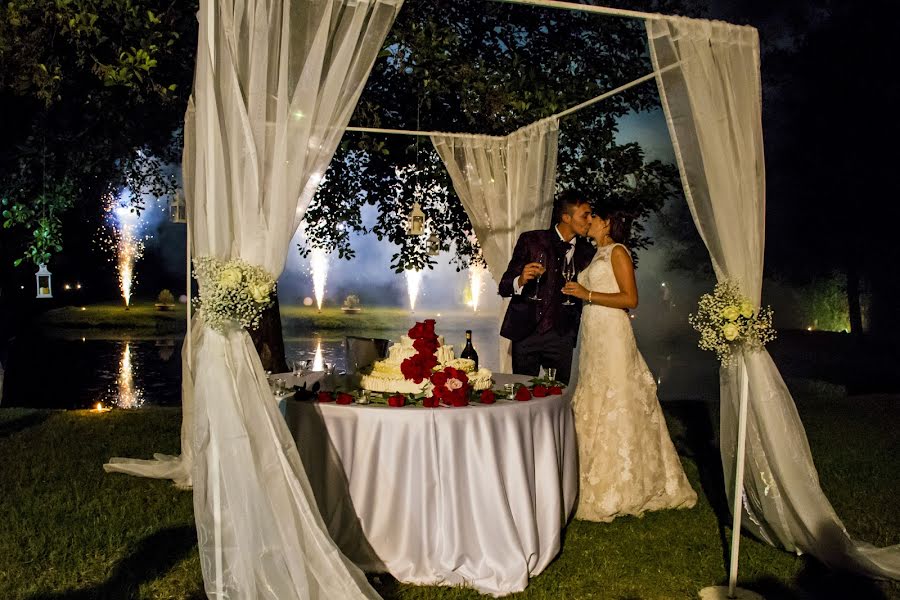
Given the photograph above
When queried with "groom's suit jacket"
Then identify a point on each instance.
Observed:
(524, 316)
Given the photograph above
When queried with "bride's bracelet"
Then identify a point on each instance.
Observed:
(590, 294)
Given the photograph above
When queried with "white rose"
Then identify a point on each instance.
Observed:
(731, 313)
(230, 277)
(730, 331)
(746, 309)
(260, 292)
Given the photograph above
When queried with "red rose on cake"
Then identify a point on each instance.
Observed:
(418, 367)
(450, 387)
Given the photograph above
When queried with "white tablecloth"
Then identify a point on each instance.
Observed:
(476, 495)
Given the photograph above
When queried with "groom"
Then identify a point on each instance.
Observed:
(544, 331)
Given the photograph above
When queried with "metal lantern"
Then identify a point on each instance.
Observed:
(433, 245)
(178, 208)
(43, 279)
(416, 223)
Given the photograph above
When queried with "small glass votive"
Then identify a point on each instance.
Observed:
(551, 373)
(510, 390)
(363, 397)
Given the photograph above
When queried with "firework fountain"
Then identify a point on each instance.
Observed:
(477, 275)
(318, 264)
(125, 238)
(413, 281)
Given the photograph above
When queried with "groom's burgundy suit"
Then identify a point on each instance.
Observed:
(543, 332)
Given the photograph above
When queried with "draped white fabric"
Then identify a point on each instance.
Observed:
(712, 103)
(506, 185)
(275, 85)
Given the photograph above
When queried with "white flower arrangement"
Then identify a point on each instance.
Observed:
(726, 319)
(232, 292)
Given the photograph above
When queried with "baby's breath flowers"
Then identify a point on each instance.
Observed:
(726, 319)
(232, 292)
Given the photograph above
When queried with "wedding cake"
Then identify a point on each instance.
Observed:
(386, 375)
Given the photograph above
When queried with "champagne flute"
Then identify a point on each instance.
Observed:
(569, 275)
(539, 258)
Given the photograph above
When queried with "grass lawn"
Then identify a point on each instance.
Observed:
(110, 319)
(142, 319)
(68, 530)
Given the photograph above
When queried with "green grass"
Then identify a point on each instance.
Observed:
(68, 530)
(386, 322)
(105, 320)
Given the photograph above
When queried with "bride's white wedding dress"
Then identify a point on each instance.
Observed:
(627, 462)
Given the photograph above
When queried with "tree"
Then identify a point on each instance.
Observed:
(92, 92)
(470, 66)
(832, 196)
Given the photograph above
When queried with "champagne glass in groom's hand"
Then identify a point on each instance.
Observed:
(569, 275)
(539, 259)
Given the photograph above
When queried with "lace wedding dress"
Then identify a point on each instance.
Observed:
(627, 461)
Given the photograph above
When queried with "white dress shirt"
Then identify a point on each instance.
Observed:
(517, 289)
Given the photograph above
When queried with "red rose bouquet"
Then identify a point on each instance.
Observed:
(451, 387)
(418, 367)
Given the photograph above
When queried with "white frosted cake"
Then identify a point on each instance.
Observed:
(387, 377)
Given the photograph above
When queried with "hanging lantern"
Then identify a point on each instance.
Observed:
(178, 208)
(416, 222)
(43, 277)
(433, 245)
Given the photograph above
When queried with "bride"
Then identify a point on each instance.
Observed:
(627, 461)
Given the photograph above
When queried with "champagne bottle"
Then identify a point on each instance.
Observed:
(469, 351)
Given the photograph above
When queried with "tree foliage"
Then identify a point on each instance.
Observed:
(481, 67)
(93, 92)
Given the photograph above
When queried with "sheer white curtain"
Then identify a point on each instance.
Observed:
(712, 103)
(506, 185)
(274, 87)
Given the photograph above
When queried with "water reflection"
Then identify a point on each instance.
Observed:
(129, 395)
(135, 373)
(318, 363)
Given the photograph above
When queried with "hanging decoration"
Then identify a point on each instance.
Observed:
(43, 279)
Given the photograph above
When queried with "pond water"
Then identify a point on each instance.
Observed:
(78, 373)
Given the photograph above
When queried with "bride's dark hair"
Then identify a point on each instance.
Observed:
(619, 222)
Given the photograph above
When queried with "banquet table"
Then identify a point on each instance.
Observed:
(475, 496)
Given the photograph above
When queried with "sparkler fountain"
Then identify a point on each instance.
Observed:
(413, 281)
(125, 239)
(318, 264)
(476, 284)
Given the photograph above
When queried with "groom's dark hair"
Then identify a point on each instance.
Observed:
(566, 202)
